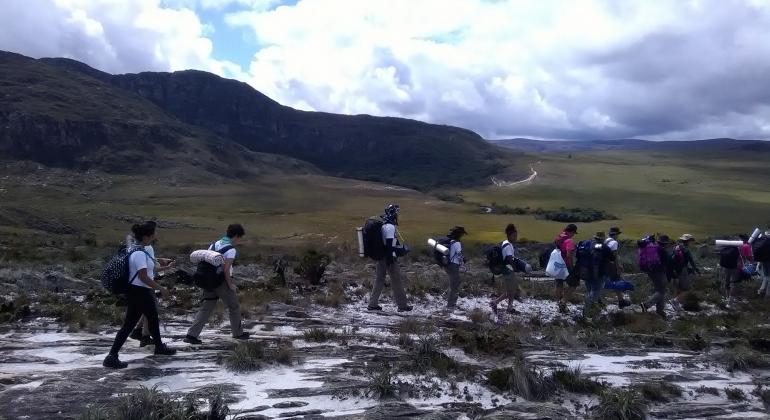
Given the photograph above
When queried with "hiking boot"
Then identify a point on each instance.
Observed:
(676, 305)
(494, 307)
(374, 307)
(136, 334)
(112, 362)
(192, 340)
(563, 308)
(164, 350)
(242, 336)
(623, 303)
(407, 308)
(146, 340)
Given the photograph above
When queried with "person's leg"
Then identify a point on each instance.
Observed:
(230, 299)
(133, 312)
(396, 285)
(208, 303)
(733, 291)
(511, 286)
(379, 284)
(149, 309)
(453, 271)
(764, 289)
(660, 290)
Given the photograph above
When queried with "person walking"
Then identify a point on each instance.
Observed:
(764, 270)
(227, 290)
(455, 262)
(566, 246)
(590, 255)
(654, 261)
(389, 265)
(684, 268)
(735, 276)
(140, 297)
(510, 280)
(611, 268)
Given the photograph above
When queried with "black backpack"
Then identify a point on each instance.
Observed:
(545, 255)
(495, 260)
(374, 248)
(115, 272)
(761, 249)
(441, 259)
(728, 257)
(206, 276)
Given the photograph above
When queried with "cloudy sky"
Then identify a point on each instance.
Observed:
(571, 69)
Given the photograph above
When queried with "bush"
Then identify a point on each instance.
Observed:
(572, 379)
(319, 335)
(735, 394)
(312, 266)
(743, 358)
(576, 215)
(524, 380)
(381, 383)
(703, 389)
(153, 404)
(246, 356)
(620, 404)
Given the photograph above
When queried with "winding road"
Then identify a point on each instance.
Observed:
(530, 178)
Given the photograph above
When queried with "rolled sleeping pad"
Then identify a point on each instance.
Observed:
(619, 285)
(437, 246)
(360, 236)
(212, 257)
(722, 242)
(754, 235)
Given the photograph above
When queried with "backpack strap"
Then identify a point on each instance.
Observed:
(225, 249)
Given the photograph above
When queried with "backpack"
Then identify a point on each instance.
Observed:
(729, 256)
(648, 256)
(441, 259)
(589, 256)
(761, 249)
(207, 276)
(545, 255)
(115, 272)
(495, 260)
(374, 248)
(678, 258)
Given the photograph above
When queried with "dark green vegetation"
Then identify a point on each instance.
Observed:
(621, 404)
(253, 355)
(571, 215)
(425, 155)
(153, 404)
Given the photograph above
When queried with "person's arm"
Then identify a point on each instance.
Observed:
(226, 267)
(142, 275)
(570, 258)
(390, 253)
(690, 261)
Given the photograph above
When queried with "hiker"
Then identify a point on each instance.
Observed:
(140, 297)
(567, 247)
(389, 264)
(455, 261)
(142, 331)
(684, 266)
(764, 270)
(510, 282)
(225, 291)
(610, 268)
(589, 256)
(653, 260)
(733, 276)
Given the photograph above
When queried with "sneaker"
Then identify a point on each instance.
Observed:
(192, 340)
(407, 308)
(164, 350)
(623, 303)
(242, 336)
(112, 362)
(146, 341)
(374, 307)
(136, 334)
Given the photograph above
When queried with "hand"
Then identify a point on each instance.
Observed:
(166, 294)
(170, 264)
(232, 287)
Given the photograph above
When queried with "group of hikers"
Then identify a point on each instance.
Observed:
(594, 261)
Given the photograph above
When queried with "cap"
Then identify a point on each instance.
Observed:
(686, 237)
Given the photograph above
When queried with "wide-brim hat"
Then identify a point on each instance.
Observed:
(457, 230)
(686, 237)
(615, 230)
(600, 235)
(664, 239)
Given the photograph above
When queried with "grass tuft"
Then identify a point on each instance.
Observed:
(659, 391)
(572, 379)
(524, 380)
(620, 404)
(319, 335)
(735, 394)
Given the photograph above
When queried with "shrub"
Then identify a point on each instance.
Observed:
(735, 394)
(703, 389)
(312, 266)
(659, 391)
(691, 302)
(743, 358)
(246, 356)
(576, 215)
(477, 316)
(620, 404)
(524, 380)
(572, 379)
(153, 404)
(319, 335)
(381, 383)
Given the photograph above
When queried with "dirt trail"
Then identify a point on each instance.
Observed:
(527, 180)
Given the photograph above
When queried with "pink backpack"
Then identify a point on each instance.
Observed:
(648, 257)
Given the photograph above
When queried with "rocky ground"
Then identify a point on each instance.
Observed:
(320, 354)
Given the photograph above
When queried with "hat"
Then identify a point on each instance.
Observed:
(457, 231)
(615, 231)
(571, 228)
(664, 239)
(686, 237)
(600, 235)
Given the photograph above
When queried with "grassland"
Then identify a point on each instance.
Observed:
(698, 193)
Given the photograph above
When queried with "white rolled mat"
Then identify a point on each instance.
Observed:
(437, 246)
(212, 257)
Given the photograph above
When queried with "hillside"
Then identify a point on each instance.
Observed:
(66, 119)
(714, 145)
(394, 150)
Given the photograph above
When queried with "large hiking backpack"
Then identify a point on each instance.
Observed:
(495, 260)
(589, 257)
(374, 248)
(115, 272)
(729, 256)
(207, 276)
(648, 256)
(761, 249)
(678, 258)
(441, 259)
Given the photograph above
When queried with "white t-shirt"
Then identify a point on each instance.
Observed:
(138, 261)
(229, 255)
(456, 253)
(508, 250)
(612, 244)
